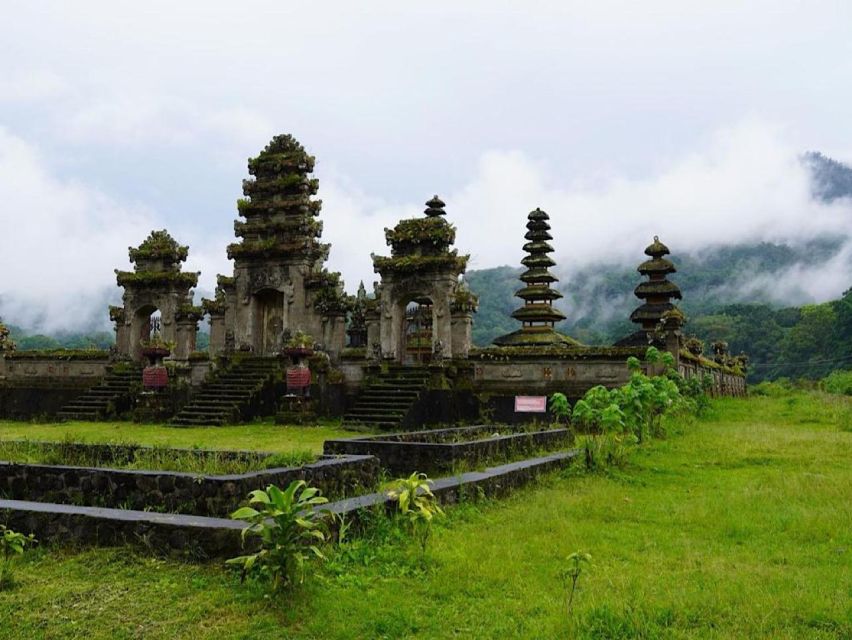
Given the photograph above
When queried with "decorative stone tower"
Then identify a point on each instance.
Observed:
(279, 285)
(656, 293)
(156, 284)
(538, 316)
(423, 270)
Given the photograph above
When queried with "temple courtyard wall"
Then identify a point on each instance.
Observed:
(483, 386)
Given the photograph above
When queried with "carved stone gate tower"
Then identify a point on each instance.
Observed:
(156, 284)
(422, 269)
(279, 284)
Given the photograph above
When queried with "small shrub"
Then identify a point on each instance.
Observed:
(12, 544)
(417, 505)
(290, 532)
(839, 382)
(571, 574)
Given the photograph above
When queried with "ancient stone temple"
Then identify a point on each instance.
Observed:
(157, 300)
(424, 311)
(538, 316)
(397, 359)
(279, 286)
(656, 293)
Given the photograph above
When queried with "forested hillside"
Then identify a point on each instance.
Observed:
(781, 341)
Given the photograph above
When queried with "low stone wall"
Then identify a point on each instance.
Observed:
(198, 538)
(176, 492)
(494, 482)
(39, 399)
(725, 382)
(444, 449)
(189, 537)
(24, 365)
(36, 385)
(545, 376)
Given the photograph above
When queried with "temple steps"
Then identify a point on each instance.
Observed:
(230, 395)
(104, 400)
(386, 402)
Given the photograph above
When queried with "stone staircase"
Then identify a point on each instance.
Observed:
(111, 396)
(231, 395)
(385, 403)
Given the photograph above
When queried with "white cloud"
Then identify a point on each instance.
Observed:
(145, 120)
(30, 85)
(745, 185)
(61, 241)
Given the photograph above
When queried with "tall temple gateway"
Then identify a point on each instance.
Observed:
(538, 316)
(280, 285)
(422, 303)
(157, 285)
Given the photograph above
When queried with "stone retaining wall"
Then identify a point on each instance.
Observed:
(174, 492)
(199, 538)
(404, 453)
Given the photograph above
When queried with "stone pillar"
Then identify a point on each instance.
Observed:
(373, 336)
(217, 334)
(334, 335)
(462, 323)
(186, 330)
(122, 330)
(442, 323)
(390, 325)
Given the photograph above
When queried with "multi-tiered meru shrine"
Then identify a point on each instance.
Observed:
(286, 339)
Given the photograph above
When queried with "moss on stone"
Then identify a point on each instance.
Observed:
(408, 265)
(156, 278)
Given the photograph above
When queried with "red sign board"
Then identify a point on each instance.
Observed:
(530, 404)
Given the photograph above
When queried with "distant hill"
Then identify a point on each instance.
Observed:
(830, 179)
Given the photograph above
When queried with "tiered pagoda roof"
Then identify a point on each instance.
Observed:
(657, 292)
(538, 315)
(280, 214)
(156, 263)
(422, 245)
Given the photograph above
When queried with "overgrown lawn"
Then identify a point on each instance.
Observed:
(738, 527)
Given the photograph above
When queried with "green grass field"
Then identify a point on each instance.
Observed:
(259, 436)
(739, 526)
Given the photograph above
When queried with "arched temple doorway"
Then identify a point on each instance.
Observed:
(147, 325)
(269, 321)
(417, 332)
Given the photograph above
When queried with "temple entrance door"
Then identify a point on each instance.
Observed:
(269, 321)
(146, 327)
(417, 332)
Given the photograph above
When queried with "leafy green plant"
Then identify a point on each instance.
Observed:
(300, 340)
(417, 505)
(570, 575)
(12, 543)
(839, 382)
(290, 531)
(559, 407)
(598, 413)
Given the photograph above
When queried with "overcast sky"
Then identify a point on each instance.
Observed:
(621, 119)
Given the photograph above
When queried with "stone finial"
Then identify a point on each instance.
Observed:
(435, 207)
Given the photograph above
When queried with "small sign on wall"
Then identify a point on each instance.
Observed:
(530, 404)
